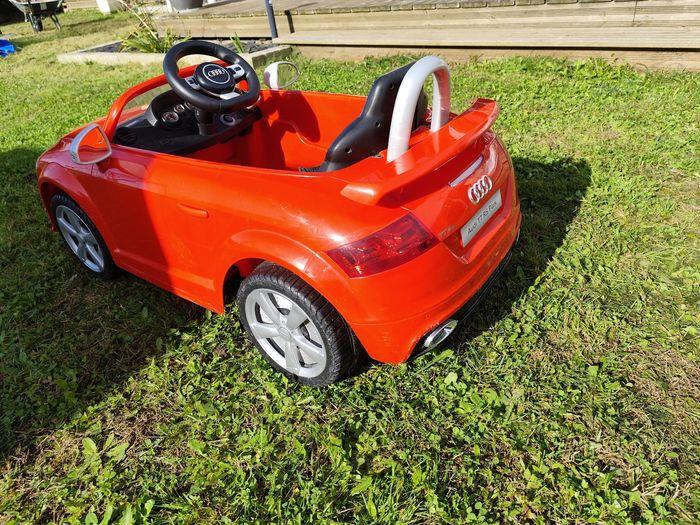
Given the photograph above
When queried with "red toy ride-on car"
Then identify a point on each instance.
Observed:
(341, 219)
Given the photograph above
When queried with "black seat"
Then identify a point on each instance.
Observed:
(368, 134)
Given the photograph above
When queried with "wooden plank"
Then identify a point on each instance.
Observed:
(659, 13)
(577, 38)
(676, 60)
(81, 4)
(233, 10)
(254, 27)
(634, 24)
(442, 14)
(589, 15)
(611, 14)
(254, 7)
(550, 16)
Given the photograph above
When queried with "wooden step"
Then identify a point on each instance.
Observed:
(644, 59)
(654, 13)
(659, 33)
(669, 38)
(218, 21)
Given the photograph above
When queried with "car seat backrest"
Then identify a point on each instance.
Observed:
(368, 134)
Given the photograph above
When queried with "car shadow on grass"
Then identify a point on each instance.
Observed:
(67, 339)
(550, 196)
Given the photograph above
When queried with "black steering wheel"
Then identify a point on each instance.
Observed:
(212, 87)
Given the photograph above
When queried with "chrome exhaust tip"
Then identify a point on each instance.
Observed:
(438, 335)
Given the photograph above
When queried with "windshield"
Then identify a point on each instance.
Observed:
(137, 105)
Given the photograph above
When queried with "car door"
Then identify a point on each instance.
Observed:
(159, 211)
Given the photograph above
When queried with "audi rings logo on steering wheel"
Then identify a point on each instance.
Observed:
(480, 188)
(214, 72)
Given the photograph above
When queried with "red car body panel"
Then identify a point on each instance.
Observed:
(185, 223)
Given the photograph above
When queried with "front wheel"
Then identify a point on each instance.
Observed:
(295, 328)
(82, 237)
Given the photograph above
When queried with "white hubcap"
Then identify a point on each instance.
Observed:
(79, 238)
(286, 334)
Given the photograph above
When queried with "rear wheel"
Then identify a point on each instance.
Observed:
(82, 237)
(295, 328)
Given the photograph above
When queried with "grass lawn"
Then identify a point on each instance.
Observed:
(572, 396)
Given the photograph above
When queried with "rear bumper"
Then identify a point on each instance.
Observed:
(449, 289)
(467, 309)
(392, 311)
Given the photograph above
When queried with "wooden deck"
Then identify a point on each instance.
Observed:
(650, 33)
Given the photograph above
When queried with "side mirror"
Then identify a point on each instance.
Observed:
(280, 75)
(90, 146)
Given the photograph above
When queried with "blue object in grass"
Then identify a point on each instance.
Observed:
(6, 48)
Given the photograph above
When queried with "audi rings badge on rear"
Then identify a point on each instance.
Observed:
(479, 189)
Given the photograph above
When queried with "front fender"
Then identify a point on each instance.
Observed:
(54, 177)
(313, 267)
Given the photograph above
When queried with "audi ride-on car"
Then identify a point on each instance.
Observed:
(345, 223)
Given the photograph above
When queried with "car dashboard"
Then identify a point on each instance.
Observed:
(169, 125)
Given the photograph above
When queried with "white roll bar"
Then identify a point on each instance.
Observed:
(407, 98)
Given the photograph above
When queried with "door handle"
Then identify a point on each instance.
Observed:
(191, 210)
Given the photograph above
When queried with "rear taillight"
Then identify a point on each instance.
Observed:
(396, 244)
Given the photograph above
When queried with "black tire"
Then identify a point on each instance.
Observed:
(340, 348)
(37, 24)
(109, 270)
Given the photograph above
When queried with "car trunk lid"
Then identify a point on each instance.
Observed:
(455, 181)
